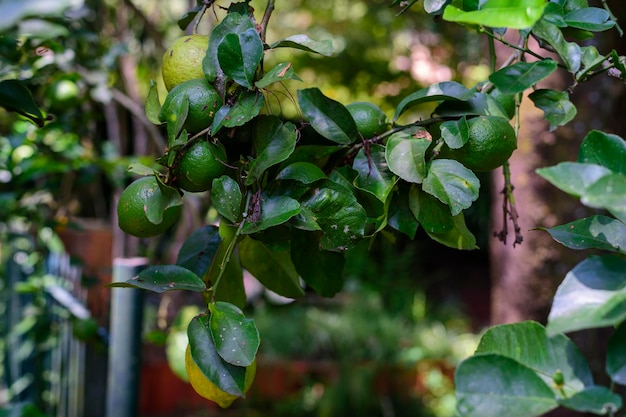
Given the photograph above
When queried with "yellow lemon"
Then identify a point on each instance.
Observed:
(183, 60)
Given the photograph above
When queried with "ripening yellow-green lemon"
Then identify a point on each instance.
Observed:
(183, 60)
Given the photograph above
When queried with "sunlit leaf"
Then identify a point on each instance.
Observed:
(600, 232)
(281, 72)
(305, 43)
(452, 184)
(604, 149)
(573, 177)
(521, 76)
(161, 278)
(514, 14)
(406, 156)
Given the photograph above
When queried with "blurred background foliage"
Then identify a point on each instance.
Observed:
(88, 65)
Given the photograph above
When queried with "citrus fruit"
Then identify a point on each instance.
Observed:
(200, 164)
(491, 142)
(183, 60)
(132, 206)
(204, 100)
(205, 388)
(369, 118)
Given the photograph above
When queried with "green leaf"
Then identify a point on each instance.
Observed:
(480, 104)
(432, 214)
(452, 183)
(239, 55)
(447, 90)
(160, 200)
(236, 337)
(406, 156)
(232, 24)
(14, 96)
(175, 116)
(304, 43)
(608, 192)
(248, 106)
(328, 117)
(616, 355)
(528, 344)
(338, 214)
(592, 295)
(304, 172)
(273, 269)
(230, 287)
(514, 14)
(15, 11)
(274, 210)
(490, 385)
(557, 108)
(597, 400)
(455, 133)
(519, 77)
(460, 237)
(400, 216)
(199, 249)
(569, 52)
(322, 270)
(161, 278)
(188, 17)
(374, 175)
(273, 142)
(226, 198)
(604, 149)
(153, 105)
(599, 232)
(281, 72)
(573, 177)
(435, 7)
(590, 18)
(227, 377)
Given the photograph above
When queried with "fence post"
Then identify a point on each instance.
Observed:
(125, 342)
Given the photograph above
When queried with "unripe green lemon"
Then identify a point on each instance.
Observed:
(205, 388)
(491, 142)
(183, 60)
(132, 206)
(204, 101)
(369, 118)
(200, 164)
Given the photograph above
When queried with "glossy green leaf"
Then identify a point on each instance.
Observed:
(490, 385)
(239, 55)
(557, 108)
(589, 18)
(328, 117)
(232, 24)
(521, 76)
(435, 7)
(608, 192)
(16, 97)
(459, 237)
(569, 52)
(338, 214)
(274, 269)
(400, 217)
(160, 200)
(432, 214)
(199, 249)
(273, 142)
(373, 174)
(573, 177)
(616, 355)
(480, 104)
(447, 90)
(514, 14)
(304, 172)
(406, 156)
(455, 133)
(161, 278)
(592, 295)
(304, 43)
(320, 269)
(175, 115)
(604, 149)
(248, 106)
(230, 288)
(452, 183)
(599, 232)
(153, 105)
(235, 336)
(229, 378)
(597, 400)
(188, 17)
(226, 198)
(590, 58)
(273, 211)
(281, 72)
(528, 344)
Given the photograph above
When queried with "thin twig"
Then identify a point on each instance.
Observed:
(266, 18)
(617, 26)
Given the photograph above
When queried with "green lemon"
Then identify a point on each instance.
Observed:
(183, 60)
(491, 142)
(132, 206)
(369, 118)
(205, 388)
(204, 101)
(199, 165)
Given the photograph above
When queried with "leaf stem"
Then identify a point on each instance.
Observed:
(519, 48)
(617, 26)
